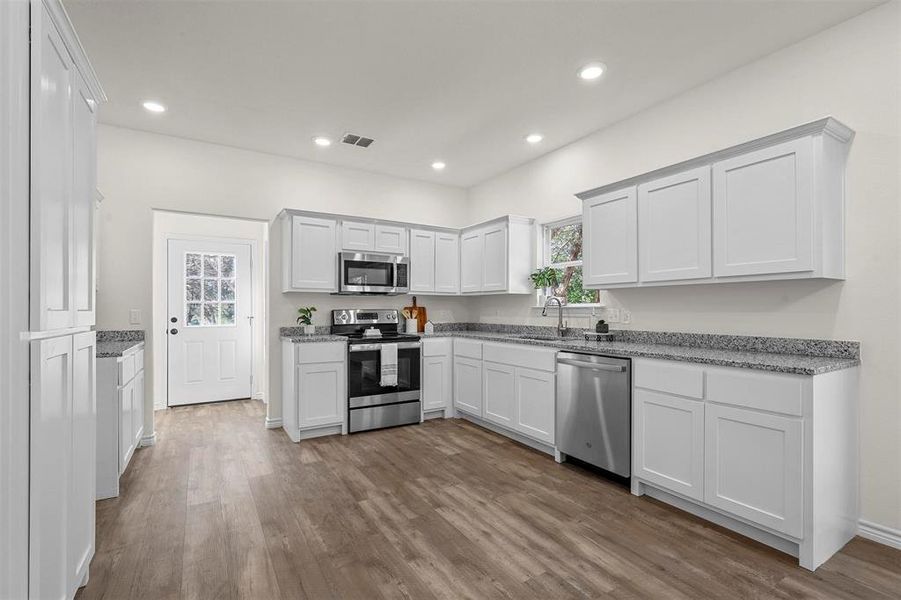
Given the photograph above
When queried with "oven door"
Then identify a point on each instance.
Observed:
(367, 273)
(364, 373)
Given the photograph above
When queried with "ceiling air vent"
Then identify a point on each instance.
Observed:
(357, 140)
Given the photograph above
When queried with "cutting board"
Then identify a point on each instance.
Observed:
(418, 313)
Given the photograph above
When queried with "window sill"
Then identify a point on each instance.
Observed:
(573, 308)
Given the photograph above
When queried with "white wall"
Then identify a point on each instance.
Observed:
(850, 72)
(139, 172)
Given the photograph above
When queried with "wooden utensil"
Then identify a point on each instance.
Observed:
(418, 313)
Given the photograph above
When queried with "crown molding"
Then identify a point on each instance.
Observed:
(67, 31)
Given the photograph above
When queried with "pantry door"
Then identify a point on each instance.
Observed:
(210, 321)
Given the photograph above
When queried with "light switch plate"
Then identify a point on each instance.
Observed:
(612, 315)
(134, 316)
(625, 315)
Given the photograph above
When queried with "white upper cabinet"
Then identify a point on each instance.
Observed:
(447, 263)
(422, 260)
(609, 238)
(471, 252)
(373, 237)
(763, 210)
(772, 208)
(498, 256)
(674, 227)
(310, 254)
(357, 237)
(390, 239)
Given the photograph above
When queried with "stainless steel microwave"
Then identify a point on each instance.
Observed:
(361, 273)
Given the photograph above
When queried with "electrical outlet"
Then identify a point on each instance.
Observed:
(612, 315)
(625, 315)
(134, 316)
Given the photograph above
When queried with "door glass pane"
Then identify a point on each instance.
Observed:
(210, 290)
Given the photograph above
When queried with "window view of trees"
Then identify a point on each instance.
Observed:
(565, 245)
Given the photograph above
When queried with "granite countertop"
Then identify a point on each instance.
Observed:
(766, 361)
(114, 343)
(115, 349)
(316, 337)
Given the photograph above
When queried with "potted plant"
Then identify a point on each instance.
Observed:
(545, 279)
(305, 318)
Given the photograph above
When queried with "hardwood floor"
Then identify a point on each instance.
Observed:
(223, 508)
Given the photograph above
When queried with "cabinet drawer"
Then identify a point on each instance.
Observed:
(541, 359)
(126, 368)
(309, 353)
(468, 348)
(438, 347)
(667, 376)
(139, 360)
(774, 392)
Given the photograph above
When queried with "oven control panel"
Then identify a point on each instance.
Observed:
(363, 316)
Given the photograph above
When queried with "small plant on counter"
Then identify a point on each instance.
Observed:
(306, 315)
(544, 278)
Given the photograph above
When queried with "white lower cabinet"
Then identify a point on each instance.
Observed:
(314, 389)
(61, 515)
(669, 442)
(771, 455)
(468, 385)
(535, 409)
(436, 381)
(754, 467)
(499, 393)
(120, 416)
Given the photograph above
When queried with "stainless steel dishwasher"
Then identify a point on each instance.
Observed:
(594, 410)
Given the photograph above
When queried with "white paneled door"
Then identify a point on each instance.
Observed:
(210, 321)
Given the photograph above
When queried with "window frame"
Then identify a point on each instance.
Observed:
(546, 257)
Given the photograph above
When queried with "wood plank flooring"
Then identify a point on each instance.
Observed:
(222, 508)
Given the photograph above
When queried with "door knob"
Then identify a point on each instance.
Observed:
(174, 319)
(173, 331)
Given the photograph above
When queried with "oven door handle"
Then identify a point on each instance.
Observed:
(369, 347)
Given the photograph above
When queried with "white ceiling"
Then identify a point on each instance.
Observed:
(458, 81)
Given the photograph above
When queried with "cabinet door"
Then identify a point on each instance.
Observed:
(669, 442)
(436, 382)
(494, 270)
(447, 263)
(52, 160)
(609, 238)
(391, 239)
(137, 422)
(422, 261)
(357, 237)
(84, 459)
(674, 227)
(314, 254)
(50, 466)
(753, 467)
(763, 211)
(468, 385)
(536, 404)
(126, 422)
(498, 393)
(471, 252)
(321, 395)
(83, 193)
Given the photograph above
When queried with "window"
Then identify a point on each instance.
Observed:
(563, 252)
(209, 290)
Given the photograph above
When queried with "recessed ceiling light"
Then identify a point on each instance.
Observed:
(321, 140)
(534, 138)
(592, 71)
(438, 165)
(154, 107)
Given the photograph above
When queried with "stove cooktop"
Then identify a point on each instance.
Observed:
(358, 338)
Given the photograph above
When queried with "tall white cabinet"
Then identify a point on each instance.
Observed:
(56, 86)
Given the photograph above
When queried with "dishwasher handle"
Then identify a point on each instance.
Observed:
(590, 365)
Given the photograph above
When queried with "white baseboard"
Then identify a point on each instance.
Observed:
(148, 440)
(258, 396)
(273, 423)
(880, 533)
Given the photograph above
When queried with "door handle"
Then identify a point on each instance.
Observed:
(173, 331)
(590, 365)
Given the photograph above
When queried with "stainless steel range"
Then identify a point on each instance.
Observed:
(383, 387)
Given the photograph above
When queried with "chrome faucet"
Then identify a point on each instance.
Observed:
(561, 328)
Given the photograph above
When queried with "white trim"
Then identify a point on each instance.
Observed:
(273, 423)
(70, 38)
(148, 440)
(880, 534)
